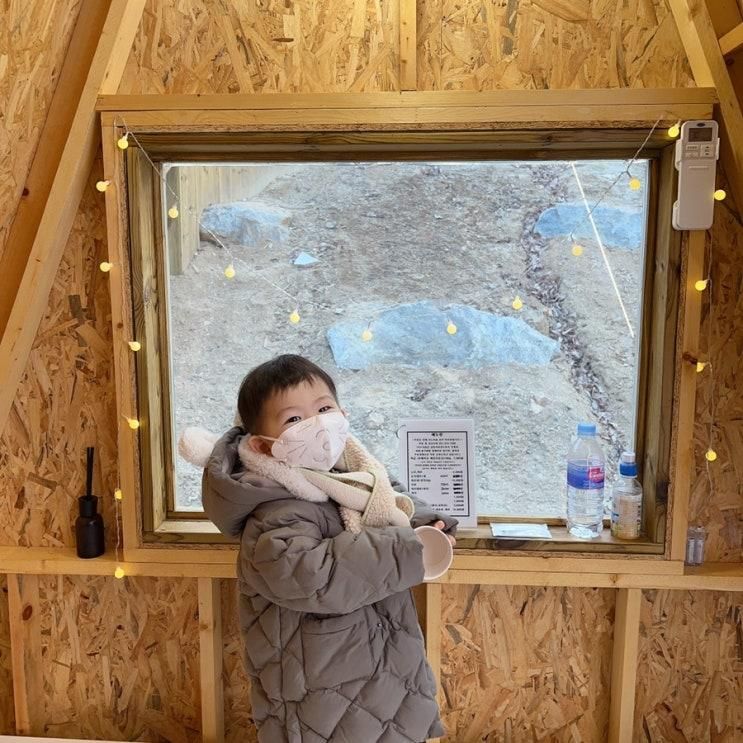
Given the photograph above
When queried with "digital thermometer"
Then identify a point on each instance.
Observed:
(697, 150)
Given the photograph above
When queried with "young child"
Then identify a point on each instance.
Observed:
(332, 642)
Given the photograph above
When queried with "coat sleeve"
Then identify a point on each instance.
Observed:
(424, 514)
(292, 565)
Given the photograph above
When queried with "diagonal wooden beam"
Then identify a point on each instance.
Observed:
(77, 156)
(708, 67)
(732, 40)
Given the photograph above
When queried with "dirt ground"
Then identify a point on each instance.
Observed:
(453, 233)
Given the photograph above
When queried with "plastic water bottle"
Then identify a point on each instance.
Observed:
(586, 469)
(626, 509)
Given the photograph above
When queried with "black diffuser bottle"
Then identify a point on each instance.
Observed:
(89, 524)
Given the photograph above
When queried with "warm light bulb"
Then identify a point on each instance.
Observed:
(634, 184)
(106, 266)
(701, 285)
(674, 130)
(517, 304)
(229, 272)
(700, 366)
(367, 335)
(294, 318)
(173, 212)
(577, 250)
(102, 185)
(719, 194)
(118, 495)
(123, 142)
(119, 572)
(711, 455)
(451, 328)
(135, 345)
(133, 423)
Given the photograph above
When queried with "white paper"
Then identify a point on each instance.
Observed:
(521, 531)
(438, 464)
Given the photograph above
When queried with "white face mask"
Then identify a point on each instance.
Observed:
(315, 443)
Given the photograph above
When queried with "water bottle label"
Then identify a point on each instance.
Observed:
(585, 478)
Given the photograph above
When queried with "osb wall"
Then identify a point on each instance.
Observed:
(34, 35)
(120, 658)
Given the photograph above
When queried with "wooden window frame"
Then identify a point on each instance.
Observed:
(531, 125)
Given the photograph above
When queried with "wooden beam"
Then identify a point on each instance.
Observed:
(25, 653)
(75, 163)
(210, 644)
(732, 40)
(433, 636)
(408, 45)
(624, 665)
(708, 67)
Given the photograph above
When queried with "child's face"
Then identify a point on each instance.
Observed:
(283, 409)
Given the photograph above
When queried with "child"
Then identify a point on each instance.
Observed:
(333, 646)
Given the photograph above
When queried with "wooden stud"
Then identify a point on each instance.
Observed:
(624, 665)
(433, 634)
(25, 650)
(732, 40)
(64, 197)
(210, 643)
(408, 44)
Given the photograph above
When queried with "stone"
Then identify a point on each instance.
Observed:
(250, 223)
(415, 335)
(618, 228)
(305, 259)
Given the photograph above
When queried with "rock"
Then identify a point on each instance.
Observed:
(330, 225)
(305, 259)
(249, 223)
(415, 335)
(618, 228)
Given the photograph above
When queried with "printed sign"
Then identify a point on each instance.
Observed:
(438, 465)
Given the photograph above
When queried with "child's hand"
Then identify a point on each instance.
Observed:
(441, 526)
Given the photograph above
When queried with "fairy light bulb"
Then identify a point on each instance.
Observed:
(719, 194)
(118, 495)
(517, 304)
(229, 272)
(577, 250)
(710, 455)
(674, 130)
(123, 142)
(119, 572)
(634, 184)
(106, 266)
(367, 335)
(700, 366)
(451, 328)
(294, 318)
(102, 185)
(135, 345)
(133, 423)
(173, 212)
(701, 285)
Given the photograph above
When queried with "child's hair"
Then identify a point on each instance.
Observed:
(276, 375)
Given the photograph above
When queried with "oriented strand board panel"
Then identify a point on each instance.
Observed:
(7, 716)
(65, 401)
(690, 671)
(34, 35)
(245, 46)
(717, 489)
(121, 659)
(490, 44)
(523, 664)
(238, 720)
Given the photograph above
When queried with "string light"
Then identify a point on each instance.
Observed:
(701, 285)
(634, 184)
(517, 304)
(294, 318)
(229, 272)
(700, 366)
(674, 130)
(451, 328)
(710, 455)
(118, 495)
(135, 345)
(577, 250)
(367, 335)
(119, 572)
(720, 194)
(106, 266)
(133, 423)
(102, 185)
(173, 212)
(123, 142)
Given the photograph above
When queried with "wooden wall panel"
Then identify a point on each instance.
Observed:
(34, 35)
(717, 490)
(121, 658)
(236, 46)
(526, 663)
(690, 674)
(485, 45)
(65, 401)
(7, 716)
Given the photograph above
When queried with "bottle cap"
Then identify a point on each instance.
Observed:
(586, 429)
(88, 506)
(627, 464)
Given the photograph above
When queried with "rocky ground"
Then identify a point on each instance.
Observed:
(391, 234)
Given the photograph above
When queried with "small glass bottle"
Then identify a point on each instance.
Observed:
(699, 546)
(89, 528)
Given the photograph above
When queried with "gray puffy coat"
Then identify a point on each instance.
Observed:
(332, 642)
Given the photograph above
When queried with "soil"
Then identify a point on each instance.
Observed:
(460, 233)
